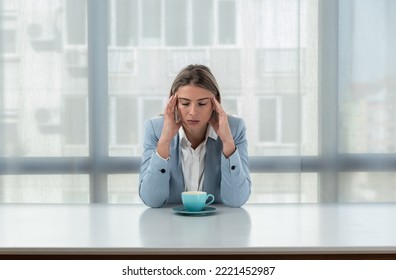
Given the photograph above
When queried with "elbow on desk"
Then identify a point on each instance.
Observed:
(235, 203)
(236, 200)
(151, 203)
(151, 200)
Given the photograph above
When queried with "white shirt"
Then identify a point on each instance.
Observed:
(193, 161)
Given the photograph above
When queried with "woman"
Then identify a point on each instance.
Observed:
(195, 145)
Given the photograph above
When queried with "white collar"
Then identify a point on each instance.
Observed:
(210, 132)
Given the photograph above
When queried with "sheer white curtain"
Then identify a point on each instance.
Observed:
(367, 100)
(313, 80)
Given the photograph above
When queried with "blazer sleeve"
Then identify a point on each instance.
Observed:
(154, 171)
(235, 177)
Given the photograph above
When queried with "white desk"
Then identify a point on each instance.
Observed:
(255, 229)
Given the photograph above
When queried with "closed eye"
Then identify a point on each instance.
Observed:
(185, 102)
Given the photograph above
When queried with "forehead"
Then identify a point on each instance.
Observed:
(193, 92)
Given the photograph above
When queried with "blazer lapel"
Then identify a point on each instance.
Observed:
(212, 166)
(178, 170)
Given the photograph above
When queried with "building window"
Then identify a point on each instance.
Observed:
(9, 39)
(176, 25)
(75, 120)
(180, 58)
(126, 19)
(226, 22)
(8, 31)
(203, 22)
(170, 23)
(230, 104)
(121, 62)
(76, 22)
(268, 121)
(151, 21)
(153, 107)
(279, 62)
(279, 119)
(124, 114)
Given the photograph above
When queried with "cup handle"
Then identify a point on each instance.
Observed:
(211, 199)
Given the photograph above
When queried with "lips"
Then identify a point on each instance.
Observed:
(192, 122)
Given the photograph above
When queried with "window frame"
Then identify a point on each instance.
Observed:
(98, 165)
(9, 20)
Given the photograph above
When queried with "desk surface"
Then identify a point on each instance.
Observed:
(252, 229)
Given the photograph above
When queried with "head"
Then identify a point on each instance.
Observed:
(196, 75)
(195, 86)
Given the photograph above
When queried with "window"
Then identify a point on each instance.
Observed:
(226, 22)
(9, 36)
(279, 62)
(268, 120)
(230, 104)
(76, 22)
(152, 107)
(10, 140)
(151, 21)
(122, 62)
(176, 23)
(180, 58)
(313, 80)
(74, 120)
(171, 23)
(279, 120)
(8, 30)
(126, 15)
(202, 22)
(126, 118)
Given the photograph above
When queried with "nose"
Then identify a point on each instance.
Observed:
(193, 110)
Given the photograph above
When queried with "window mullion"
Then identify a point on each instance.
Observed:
(98, 98)
(328, 99)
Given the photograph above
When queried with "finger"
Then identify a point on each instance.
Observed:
(219, 110)
(175, 108)
(170, 105)
(173, 103)
(216, 105)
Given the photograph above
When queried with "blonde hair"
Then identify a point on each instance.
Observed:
(196, 75)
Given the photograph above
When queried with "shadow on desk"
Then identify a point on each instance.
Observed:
(226, 228)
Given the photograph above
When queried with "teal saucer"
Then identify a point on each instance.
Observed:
(205, 211)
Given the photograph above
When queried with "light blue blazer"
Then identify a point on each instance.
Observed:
(161, 181)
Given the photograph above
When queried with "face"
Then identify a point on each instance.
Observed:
(194, 108)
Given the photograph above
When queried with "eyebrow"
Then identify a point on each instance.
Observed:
(201, 99)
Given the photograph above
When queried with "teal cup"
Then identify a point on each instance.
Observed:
(196, 200)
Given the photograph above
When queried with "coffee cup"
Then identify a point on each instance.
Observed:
(196, 200)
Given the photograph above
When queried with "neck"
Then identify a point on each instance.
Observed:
(195, 137)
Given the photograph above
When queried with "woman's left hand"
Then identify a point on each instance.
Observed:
(222, 128)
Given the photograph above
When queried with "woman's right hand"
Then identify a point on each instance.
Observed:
(170, 129)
